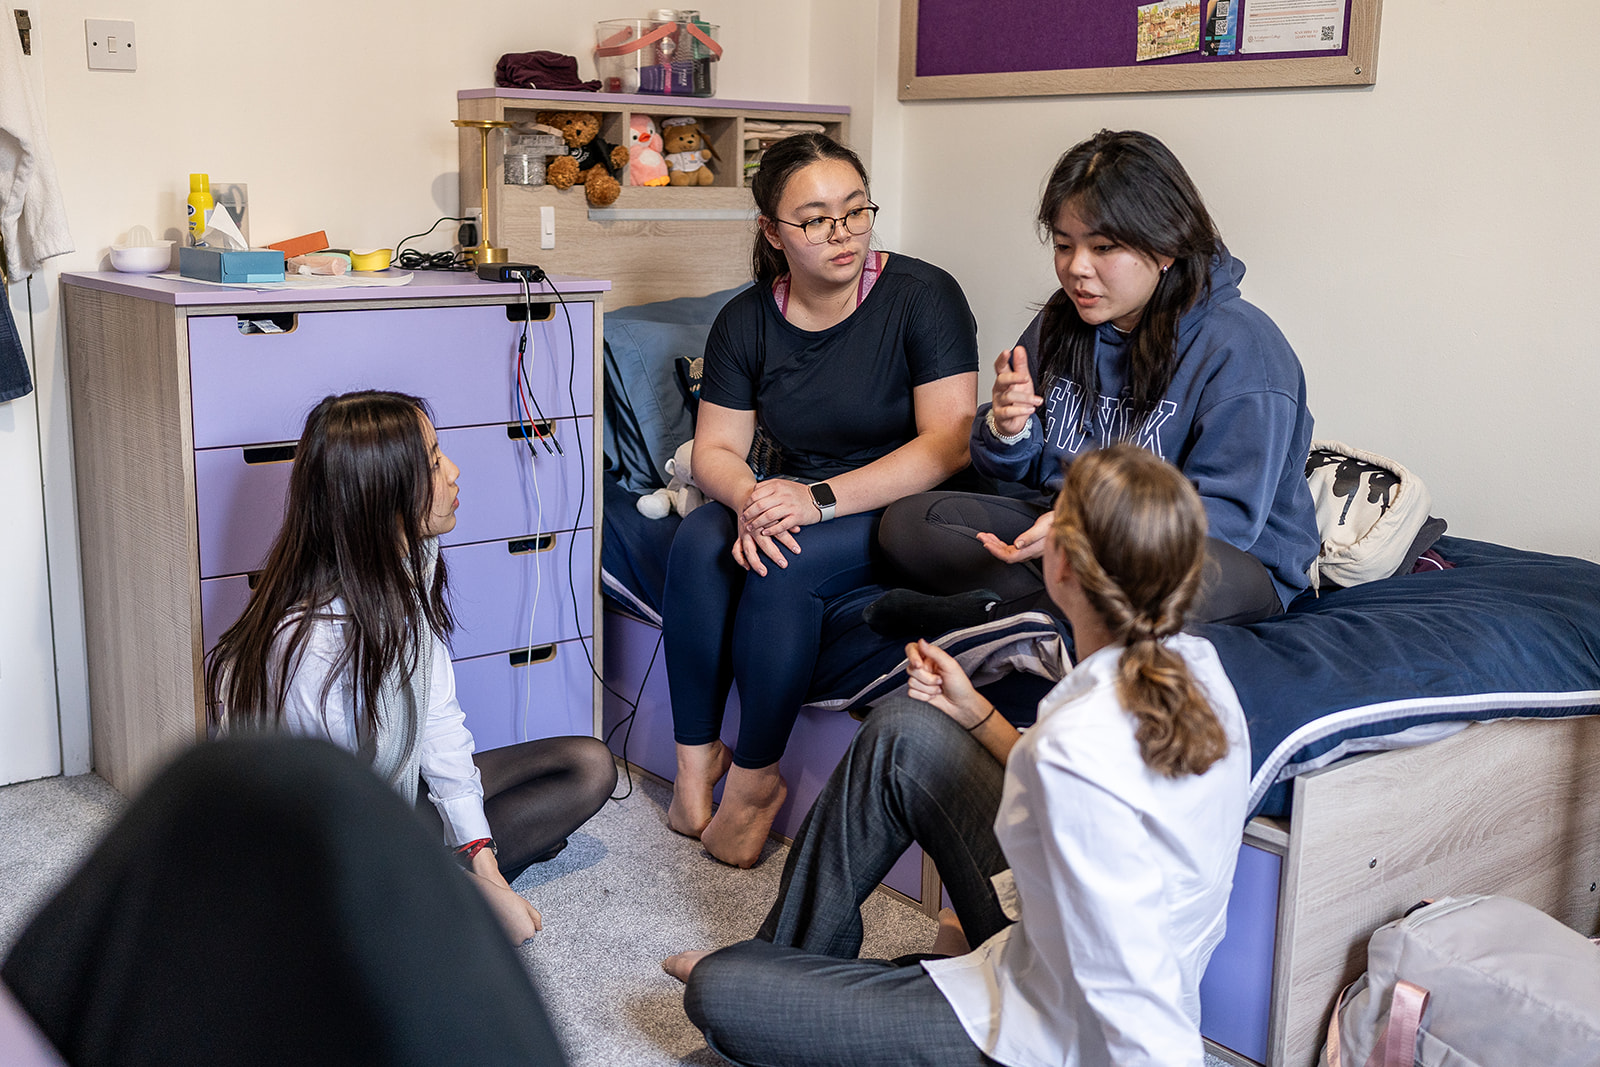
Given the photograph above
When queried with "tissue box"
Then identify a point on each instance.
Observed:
(230, 265)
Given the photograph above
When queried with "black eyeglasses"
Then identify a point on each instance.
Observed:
(820, 230)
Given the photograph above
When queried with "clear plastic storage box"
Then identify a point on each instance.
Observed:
(664, 58)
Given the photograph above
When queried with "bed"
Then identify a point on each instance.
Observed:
(1426, 734)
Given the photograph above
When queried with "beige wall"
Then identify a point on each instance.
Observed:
(1427, 244)
(337, 115)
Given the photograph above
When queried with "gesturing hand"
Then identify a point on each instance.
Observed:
(935, 678)
(1013, 395)
(1028, 545)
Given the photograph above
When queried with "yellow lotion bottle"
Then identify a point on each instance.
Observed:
(201, 204)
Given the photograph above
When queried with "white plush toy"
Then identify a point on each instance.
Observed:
(680, 495)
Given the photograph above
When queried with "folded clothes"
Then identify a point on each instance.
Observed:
(541, 70)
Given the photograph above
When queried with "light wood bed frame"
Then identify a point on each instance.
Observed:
(1509, 807)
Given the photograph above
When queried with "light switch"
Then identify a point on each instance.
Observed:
(547, 226)
(110, 44)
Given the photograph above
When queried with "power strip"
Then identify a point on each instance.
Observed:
(510, 272)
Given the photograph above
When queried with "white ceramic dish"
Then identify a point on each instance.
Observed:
(142, 259)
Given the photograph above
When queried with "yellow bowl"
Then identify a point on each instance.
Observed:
(375, 259)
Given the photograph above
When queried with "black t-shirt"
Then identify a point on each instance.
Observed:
(839, 398)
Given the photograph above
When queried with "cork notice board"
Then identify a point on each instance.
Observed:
(974, 48)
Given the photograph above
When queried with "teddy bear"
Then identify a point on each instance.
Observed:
(594, 161)
(687, 152)
(645, 163)
(680, 495)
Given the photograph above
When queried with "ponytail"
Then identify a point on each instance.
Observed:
(1134, 533)
(1178, 733)
(779, 163)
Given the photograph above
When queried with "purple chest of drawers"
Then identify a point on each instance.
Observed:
(185, 413)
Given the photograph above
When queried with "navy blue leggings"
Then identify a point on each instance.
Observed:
(724, 624)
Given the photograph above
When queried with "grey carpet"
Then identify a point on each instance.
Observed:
(625, 894)
(46, 828)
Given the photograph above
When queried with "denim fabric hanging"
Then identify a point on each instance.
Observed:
(14, 378)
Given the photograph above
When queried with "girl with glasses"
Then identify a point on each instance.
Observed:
(1147, 341)
(842, 380)
(343, 639)
(1089, 860)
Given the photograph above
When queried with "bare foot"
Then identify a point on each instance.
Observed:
(750, 801)
(700, 768)
(680, 965)
(951, 939)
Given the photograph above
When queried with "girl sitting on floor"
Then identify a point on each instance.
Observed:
(1089, 858)
(343, 639)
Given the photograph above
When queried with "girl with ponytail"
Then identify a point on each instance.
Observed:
(1089, 858)
(843, 379)
(1128, 535)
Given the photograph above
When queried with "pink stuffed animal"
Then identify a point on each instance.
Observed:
(646, 166)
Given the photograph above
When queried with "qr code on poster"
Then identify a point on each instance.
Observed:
(1222, 9)
(1327, 33)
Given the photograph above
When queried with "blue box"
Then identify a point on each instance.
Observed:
(230, 265)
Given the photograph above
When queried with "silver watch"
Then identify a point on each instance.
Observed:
(822, 496)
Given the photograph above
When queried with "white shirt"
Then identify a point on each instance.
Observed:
(446, 744)
(1119, 883)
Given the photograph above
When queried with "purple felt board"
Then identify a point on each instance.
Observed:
(1011, 36)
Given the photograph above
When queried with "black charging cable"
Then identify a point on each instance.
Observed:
(411, 259)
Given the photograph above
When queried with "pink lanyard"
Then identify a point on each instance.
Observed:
(869, 277)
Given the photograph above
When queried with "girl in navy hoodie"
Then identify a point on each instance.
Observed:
(1147, 341)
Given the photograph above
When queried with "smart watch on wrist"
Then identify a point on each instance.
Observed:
(822, 496)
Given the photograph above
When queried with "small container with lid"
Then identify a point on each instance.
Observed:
(528, 154)
(200, 205)
(673, 54)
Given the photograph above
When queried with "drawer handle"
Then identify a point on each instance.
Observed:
(524, 545)
(525, 657)
(251, 325)
(521, 431)
(270, 454)
(519, 312)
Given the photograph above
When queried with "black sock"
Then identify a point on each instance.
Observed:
(902, 613)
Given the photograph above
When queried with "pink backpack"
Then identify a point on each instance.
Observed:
(1476, 981)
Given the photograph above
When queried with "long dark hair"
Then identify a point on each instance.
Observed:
(778, 164)
(1134, 531)
(1131, 188)
(359, 493)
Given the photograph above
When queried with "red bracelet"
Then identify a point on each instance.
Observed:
(466, 852)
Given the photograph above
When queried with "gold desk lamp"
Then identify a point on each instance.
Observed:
(483, 251)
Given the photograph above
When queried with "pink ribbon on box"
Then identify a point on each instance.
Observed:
(612, 46)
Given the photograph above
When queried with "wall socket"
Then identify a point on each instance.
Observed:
(110, 44)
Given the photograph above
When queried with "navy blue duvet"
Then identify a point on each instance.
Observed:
(1506, 634)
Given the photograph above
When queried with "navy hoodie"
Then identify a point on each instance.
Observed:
(1234, 421)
